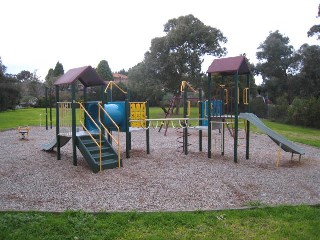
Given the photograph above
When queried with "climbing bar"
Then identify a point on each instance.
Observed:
(110, 86)
(184, 84)
(226, 97)
(245, 96)
(65, 117)
(189, 108)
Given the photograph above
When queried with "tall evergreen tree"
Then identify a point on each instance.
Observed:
(104, 71)
(58, 70)
(275, 57)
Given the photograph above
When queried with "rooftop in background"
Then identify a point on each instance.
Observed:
(117, 77)
(229, 66)
(86, 75)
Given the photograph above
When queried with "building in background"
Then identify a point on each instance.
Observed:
(120, 78)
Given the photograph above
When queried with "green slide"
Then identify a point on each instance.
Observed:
(285, 144)
(51, 145)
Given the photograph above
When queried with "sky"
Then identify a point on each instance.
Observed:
(36, 34)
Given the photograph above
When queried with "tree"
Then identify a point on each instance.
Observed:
(275, 56)
(2, 69)
(178, 55)
(9, 89)
(307, 67)
(58, 70)
(315, 29)
(104, 71)
(142, 86)
(24, 76)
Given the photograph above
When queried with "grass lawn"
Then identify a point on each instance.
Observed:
(308, 136)
(25, 117)
(284, 222)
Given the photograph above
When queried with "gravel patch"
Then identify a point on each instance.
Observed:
(164, 180)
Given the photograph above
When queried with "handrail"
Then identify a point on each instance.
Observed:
(189, 108)
(112, 83)
(82, 108)
(183, 85)
(117, 141)
(245, 96)
(226, 96)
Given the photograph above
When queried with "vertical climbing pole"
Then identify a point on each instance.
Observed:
(236, 124)
(74, 132)
(147, 127)
(46, 94)
(209, 115)
(185, 113)
(200, 121)
(57, 124)
(224, 102)
(50, 106)
(127, 116)
(247, 122)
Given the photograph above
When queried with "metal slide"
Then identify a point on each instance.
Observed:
(285, 144)
(51, 145)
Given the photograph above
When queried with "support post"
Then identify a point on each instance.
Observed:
(209, 115)
(200, 121)
(236, 123)
(46, 94)
(223, 137)
(57, 124)
(128, 134)
(50, 107)
(185, 112)
(247, 122)
(147, 126)
(74, 129)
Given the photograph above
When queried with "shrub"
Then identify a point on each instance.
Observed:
(259, 107)
(305, 112)
(279, 112)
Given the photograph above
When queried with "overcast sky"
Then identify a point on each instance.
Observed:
(35, 34)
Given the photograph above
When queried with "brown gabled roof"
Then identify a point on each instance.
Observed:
(229, 66)
(118, 75)
(86, 75)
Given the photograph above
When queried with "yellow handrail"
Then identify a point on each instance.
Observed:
(112, 83)
(183, 85)
(84, 127)
(245, 96)
(189, 108)
(226, 96)
(117, 141)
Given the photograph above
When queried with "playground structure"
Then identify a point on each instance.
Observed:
(101, 122)
(235, 67)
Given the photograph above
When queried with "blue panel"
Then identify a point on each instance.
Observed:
(117, 111)
(216, 111)
(92, 108)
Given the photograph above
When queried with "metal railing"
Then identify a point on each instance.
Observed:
(116, 140)
(82, 123)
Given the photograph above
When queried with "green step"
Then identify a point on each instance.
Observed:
(95, 149)
(91, 153)
(105, 156)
